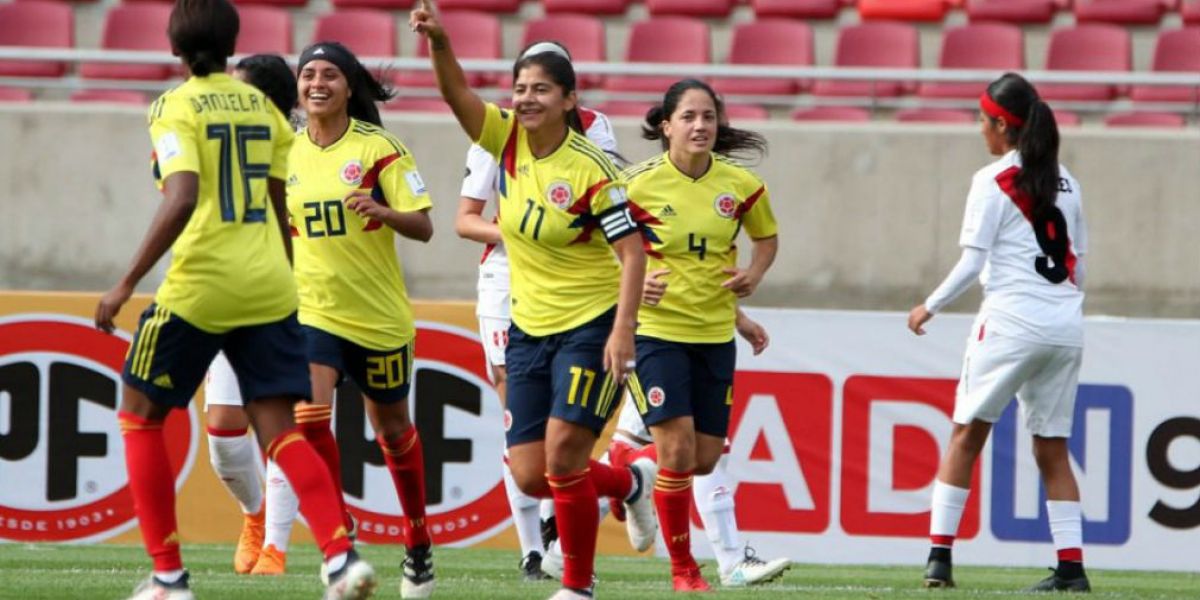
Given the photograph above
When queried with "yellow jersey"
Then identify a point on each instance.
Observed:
(228, 268)
(347, 271)
(691, 226)
(558, 215)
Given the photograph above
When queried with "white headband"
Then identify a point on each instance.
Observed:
(550, 47)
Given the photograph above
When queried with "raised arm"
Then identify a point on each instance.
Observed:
(467, 107)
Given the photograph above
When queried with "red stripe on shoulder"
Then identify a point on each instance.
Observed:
(508, 157)
(584, 203)
(586, 118)
(372, 177)
(749, 203)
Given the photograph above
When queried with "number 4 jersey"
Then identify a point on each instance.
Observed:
(347, 270)
(1029, 281)
(228, 267)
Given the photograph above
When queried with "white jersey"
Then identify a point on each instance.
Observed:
(480, 183)
(1028, 294)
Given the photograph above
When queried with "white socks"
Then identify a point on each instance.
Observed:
(713, 494)
(947, 509)
(525, 515)
(236, 464)
(282, 508)
(1066, 524)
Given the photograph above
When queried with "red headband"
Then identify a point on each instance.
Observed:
(995, 111)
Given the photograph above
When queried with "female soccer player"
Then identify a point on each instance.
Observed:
(351, 187)
(573, 305)
(478, 189)
(696, 200)
(1023, 230)
(220, 154)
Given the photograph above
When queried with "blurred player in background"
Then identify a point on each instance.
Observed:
(220, 155)
(574, 305)
(1024, 237)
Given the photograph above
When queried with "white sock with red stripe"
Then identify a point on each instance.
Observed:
(1066, 527)
(947, 510)
(282, 508)
(233, 458)
(525, 515)
(713, 494)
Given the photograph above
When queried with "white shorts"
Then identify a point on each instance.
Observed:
(1044, 379)
(630, 421)
(493, 334)
(493, 302)
(221, 385)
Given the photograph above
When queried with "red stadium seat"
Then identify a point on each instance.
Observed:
(285, 3)
(737, 113)
(583, 35)
(366, 32)
(1146, 119)
(1090, 47)
(1177, 51)
(690, 8)
(680, 40)
(425, 105)
(133, 27)
(588, 7)
(903, 10)
(494, 6)
(388, 5)
(797, 9)
(264, 29)
(110, 96)
(1066, 118)
(475, 35)
(8, 94)
(873, 45)
(832, 113)
(996, 46)
(1143, 12)
(768, 42)
(35, 23)
(1012, 11)
(1190, 11)
(624, 108)
(935, 115)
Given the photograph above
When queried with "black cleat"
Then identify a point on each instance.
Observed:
(1055, 583)
(531, 567)
(938, 574)
(549, 531)
(418, 573)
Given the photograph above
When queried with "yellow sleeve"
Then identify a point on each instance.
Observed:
(173, 133)
(401, 183)
(284, 136)
(497, 126)
(757, 218)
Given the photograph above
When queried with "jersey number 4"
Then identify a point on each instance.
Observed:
(228, 135)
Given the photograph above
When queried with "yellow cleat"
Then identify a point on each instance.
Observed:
(272, 561)
(250, 542)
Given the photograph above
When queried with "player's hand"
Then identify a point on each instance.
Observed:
(917, 317)
(110, 305)
(741, 282)
(654, 288)
(423, 20)
(752, 332)
(365, 206)
(619, 354)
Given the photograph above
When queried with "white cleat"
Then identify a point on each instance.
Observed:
(354, 581)
(753, 570)
(641, 522)
(552, 562)
(153, 589)
(569, 594)
(418, 579)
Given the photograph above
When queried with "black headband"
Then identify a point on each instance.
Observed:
(334, 53)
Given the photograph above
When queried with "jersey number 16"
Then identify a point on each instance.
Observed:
(241, 135)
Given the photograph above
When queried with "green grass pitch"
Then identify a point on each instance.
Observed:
(34, 571)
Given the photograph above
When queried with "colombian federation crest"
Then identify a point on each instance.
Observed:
(656, 396)
(352, 172)
(559, 194)
(725, 205)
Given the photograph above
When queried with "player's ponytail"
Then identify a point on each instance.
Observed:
(1032, 129)
(731, 141)
(204, 34)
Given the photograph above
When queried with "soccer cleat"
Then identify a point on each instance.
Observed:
(354, 581)
(351, 527)
(690, 580)
(153, 589)
(752, 570)
(1055, 583)
(552, 562)
(642, 523)
(938, 574)
(531, 567)
(272, 561)
(250, 542)
(418, 573)
(549, 531)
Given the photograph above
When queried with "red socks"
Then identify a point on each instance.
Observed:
(609, 481)
(152, 485)
(673, 499)
(577, 515)
(406, 461)
(313, 421)
(320, 501)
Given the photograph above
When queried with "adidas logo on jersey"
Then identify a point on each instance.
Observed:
(293, 180)
(667, 211)
(164, 381)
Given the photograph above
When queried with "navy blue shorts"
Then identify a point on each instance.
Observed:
(169, 357)
(560, 375)
(678, 379)
(382, 375)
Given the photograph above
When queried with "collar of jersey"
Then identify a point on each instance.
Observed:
(336, 143)
(217, 77)
(561, 146)
(712, 166)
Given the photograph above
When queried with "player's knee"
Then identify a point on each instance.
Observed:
(706, 464)
(969, 440)
(1050, 453)
(677, 454)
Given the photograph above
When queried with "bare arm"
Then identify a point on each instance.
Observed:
(470, 224)
(277, 190)
(619, 351)
(467, 107)
(414, 225)
(762, 255)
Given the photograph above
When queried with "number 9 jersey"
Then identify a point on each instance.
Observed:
(228, 266)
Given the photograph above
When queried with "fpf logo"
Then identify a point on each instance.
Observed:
(458, 415)
(60, 386)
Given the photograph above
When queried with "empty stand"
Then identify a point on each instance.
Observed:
(873, 45)
(935, 115)
(797, 9)
(1143, 12)
(1146, 119)
(590, 7)
(139, 26)
(1190, 11)
(475, 35)
(690, 8)
(832, 113)
(582, 35)
(1177, 50)
(737, 113)
(425, 105)
(264, 29)
(624, 108)
(996, 46)
(281, 3)
(768, 42)
(1090, 47)
(1066, 118)
(681, 40)
(366, 32)
(1012, 11)
(35, 23)
(903, 10)
(400, 6)
(496, 6)
(110, 96)
(8, 94)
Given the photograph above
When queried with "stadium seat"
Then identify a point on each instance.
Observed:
(8, 94)
(583, 35)
(768, 42)
(1190, 11)
(1066, 118)
(1090, 47)
(366, 32)
(737, 113)
(493, 6)
(690, 8)
(1177, 50)
(587, 7)
(284, 3)
(1130, 12)
(1146, 119)
(680, 40)
(475, 35)
(138, 26)
(935, 115)
(996, 46)
(832, 113)
(624, 108)
(1011, 11)
(36, 23)
(873, 45)
(110, 96)
(425, 105)
(399, 6)
(903, 10)
(797, 9)
(264, 29)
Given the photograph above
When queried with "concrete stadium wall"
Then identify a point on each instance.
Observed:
(869, 214)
